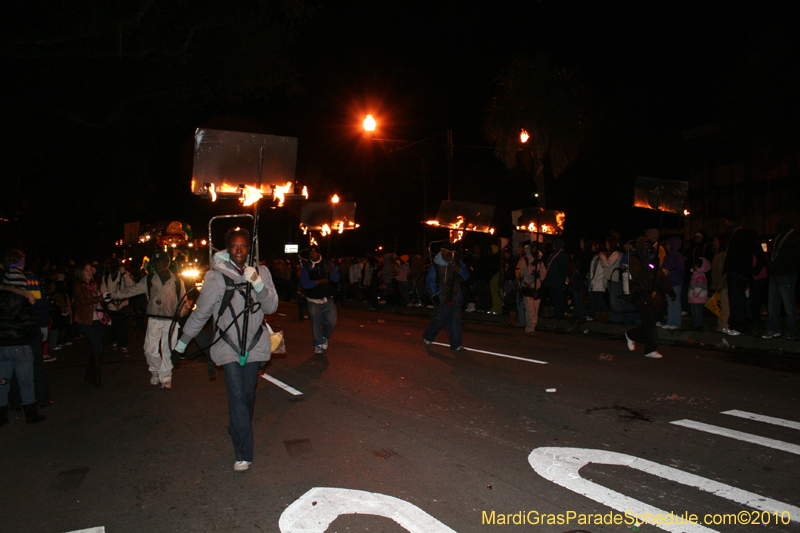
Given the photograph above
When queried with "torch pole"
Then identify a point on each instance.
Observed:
(243, 353)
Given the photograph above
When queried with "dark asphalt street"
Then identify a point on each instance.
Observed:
(388, 437)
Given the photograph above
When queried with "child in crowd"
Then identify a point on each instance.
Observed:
(698, 290)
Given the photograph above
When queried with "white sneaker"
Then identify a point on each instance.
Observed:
(725, 330)
(325, 345)
(154, 378)
(241, 466)
(672, 327)
(589, 319)
(733, 332)
(772, 335)
(318, 349)
(426, 342)
(654, 355)
(166, 385)
(631, 344)
(49, 358)
(659, 325)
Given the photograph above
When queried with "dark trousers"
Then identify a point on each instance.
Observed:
(240, 382)
(559, 302)
(738, 302)
(118, 330)
(646, 332)
(94, 334)
(447, 316)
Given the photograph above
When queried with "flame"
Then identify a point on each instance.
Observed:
(523, 136)
(313, 241)
(325, 229)
(532, 227)
(305, 192)
(212, 193)
(547, 229)
(459, 223)
(456, 235)
(280, 190)
(225, 188)
(491, 231)
(335, 199)
(686, 212)
(432, 222)
(341, 227)
(250, 195)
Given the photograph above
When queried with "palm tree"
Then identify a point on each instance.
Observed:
(547, 103)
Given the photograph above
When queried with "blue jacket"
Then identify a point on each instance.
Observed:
(447, 284)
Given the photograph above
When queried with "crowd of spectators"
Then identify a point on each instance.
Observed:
(730, 283)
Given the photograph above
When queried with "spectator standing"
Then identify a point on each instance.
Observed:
(90, 318)
(611, 263)
(698, 291)
(532, 273)
(598, 282)
(784, 261)
(674, 265)
(117, 278)
(719, 282)
(577, 284)
(557, 266)
(738, 271)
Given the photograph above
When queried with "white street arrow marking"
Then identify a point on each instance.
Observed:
(562, 466)
(314, 511)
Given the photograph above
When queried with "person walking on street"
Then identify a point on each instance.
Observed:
(444, 279)
(224, 297)
(315, 278)
(116, 278)
(90, 318)
(648, 282)
(164, 292)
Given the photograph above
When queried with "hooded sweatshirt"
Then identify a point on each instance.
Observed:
(674, 263)
(209, 305)
(698, 291)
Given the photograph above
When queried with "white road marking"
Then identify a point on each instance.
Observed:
(314, 511)
(763, 418)
(493, 353)
(562, 466)
(100, 529)
(739, 435)
(282, 385)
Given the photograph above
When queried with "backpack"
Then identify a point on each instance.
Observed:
(231, 289)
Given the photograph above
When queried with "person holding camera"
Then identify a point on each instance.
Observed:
(532, 273)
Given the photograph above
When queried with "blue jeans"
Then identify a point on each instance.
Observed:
(19, 360)
(323, 320)
(240, 382)
(674, 307)
(448, 316)
(782, 290)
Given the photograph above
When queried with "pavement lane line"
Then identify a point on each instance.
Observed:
(282, 385)
(497, 354)
(763, 418)
(739, 435)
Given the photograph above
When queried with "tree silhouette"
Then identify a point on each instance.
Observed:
(550, 105)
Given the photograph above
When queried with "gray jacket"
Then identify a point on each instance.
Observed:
(208, 305)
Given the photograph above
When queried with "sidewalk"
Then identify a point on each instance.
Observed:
(707, 338)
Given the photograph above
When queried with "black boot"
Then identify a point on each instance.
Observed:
(3, 415)
(32, 415)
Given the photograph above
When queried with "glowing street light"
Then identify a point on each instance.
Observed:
(335, 199)
(369, 123)
(523, 136)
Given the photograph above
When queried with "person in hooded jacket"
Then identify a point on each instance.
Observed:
(698, 291)
(445, 277)
(557, 266)
(241, 370)
(648, 282)
(674, 264)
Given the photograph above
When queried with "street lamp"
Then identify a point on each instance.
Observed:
(369, 123)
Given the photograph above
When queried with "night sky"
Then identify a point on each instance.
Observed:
(105, 98)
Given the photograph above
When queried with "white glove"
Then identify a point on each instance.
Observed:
(44, 334)
(180, 347)
(251, 275)
(107, 296)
